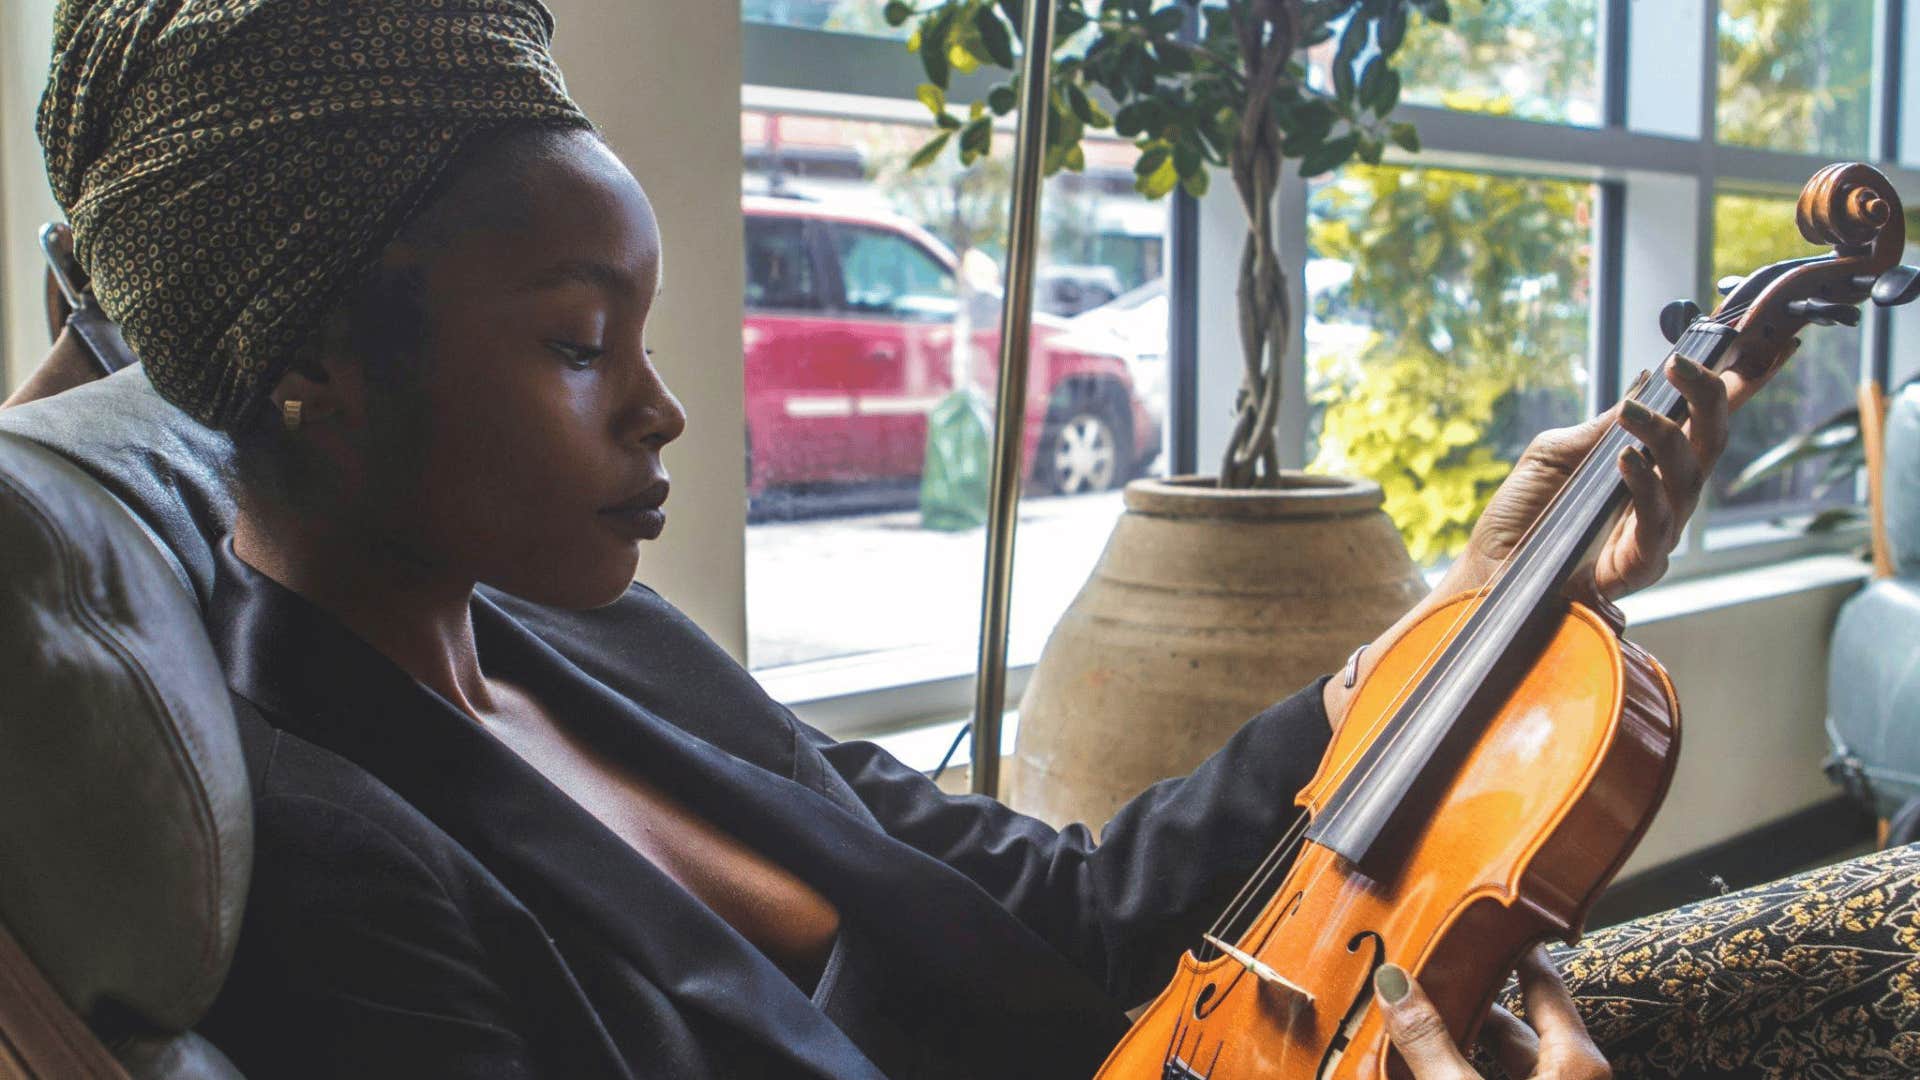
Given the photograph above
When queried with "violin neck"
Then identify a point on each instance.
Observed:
(1393, 785)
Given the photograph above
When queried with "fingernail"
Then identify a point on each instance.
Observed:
(1637, 411)
(1390, 982)
(1691, 368)
(1637, 458)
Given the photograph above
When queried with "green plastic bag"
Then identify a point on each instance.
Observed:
(953, 483)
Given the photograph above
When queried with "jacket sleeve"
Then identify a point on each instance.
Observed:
(1166, 865)
(354, 961)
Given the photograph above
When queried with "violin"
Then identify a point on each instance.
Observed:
(1503, 757)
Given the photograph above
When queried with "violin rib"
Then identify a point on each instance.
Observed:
(1549, 803)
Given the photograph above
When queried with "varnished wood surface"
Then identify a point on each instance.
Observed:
(1546, 807)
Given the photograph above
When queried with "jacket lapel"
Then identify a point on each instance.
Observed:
(322, 683)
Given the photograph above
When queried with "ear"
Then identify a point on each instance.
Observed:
(331, 385)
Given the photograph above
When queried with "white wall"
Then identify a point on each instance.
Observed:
(26, 35)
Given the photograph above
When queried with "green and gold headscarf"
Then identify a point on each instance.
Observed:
(231, 167)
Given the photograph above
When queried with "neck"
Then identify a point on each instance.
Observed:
(400, 604)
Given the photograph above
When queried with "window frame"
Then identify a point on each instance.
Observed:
(1658, 142)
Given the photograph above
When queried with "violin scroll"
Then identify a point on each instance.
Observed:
(1850, 206)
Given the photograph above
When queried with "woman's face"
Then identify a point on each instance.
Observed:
(539, 468)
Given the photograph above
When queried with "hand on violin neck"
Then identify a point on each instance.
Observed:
(1663, 485)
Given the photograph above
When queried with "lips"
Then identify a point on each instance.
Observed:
(639, 517)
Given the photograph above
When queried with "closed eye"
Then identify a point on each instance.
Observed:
(579, 357)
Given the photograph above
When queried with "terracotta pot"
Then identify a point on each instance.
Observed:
(1206, 607)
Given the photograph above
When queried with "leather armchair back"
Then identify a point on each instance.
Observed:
(125, 817)
(1900, 481)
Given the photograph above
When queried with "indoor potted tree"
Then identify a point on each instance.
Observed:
(1219, 593)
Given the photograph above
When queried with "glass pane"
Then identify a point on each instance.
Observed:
(1447, 325)
(845, 16)
(1796, 74)
(1750, 231)
(884, 273)
(848, 401)
(1537, 59)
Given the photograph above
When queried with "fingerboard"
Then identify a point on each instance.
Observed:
(1396, 783)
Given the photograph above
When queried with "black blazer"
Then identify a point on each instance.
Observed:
(426, 904)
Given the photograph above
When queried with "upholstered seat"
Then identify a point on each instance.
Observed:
(125, 825)
(1873, 689)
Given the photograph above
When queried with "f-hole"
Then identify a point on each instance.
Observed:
(1357, 1011)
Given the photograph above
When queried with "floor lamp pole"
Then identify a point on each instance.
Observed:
(1010, 410)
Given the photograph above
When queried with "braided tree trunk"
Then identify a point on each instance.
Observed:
(1267, 31)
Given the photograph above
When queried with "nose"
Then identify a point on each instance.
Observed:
(652, 416)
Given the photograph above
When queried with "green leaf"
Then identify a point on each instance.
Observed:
(1067, 23)
(897, 12)
(1152, 158)
(994, 36)
(1389, 95)
(1371, 80)
(1405, 137)
(933, 52)
(1081, 105)
(934, 98)
(947, 120)
(1075, 159)
(1392, 30)
(1369, 150)
(1186, 159)
(1135, 117)
(976, 139)
(1016, 13)
(925, 156)
(1159, 181)
(1438, 12)
(1001, 99)
(1195, 184)
(1330, 155)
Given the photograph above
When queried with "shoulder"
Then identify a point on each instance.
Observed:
(649, 652)
(365, 925)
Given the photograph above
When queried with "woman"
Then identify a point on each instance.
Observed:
(378, 244)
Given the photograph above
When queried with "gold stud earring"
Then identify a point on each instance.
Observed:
(290, 414)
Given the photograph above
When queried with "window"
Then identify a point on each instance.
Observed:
(873, 304)
(1448, 324)
(780, 272)
(1583, 162)
(1534, 59)
(884, 273)
(1796, 75)
(1817, 381)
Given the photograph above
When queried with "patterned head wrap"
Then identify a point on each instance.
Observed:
(231, 167)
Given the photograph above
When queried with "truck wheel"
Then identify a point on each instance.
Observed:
(1081, 451)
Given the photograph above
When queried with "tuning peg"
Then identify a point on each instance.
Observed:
(1727, 284)
(1900, 285)
(1825, 312)
(1676, 317)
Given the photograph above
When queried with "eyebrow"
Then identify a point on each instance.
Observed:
(603, 276)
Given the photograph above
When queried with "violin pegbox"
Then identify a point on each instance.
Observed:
(1852, 209)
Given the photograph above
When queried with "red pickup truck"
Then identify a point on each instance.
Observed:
(849, 343)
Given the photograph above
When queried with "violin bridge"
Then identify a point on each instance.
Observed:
(1260, 970)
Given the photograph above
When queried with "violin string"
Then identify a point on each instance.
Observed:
(1262, 876)
(1577, 480)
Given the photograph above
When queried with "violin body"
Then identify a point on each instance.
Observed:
(1548, 803)
(1505, 754)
